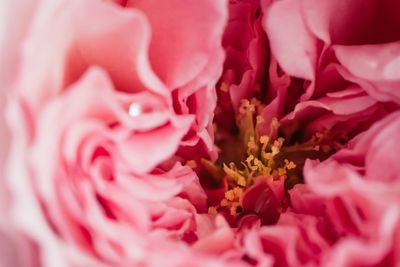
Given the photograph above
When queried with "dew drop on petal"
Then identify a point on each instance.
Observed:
(135, 109)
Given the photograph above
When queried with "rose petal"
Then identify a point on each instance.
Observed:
(179, 48)
(293, 45)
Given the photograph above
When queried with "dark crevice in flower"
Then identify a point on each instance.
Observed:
(108, 211)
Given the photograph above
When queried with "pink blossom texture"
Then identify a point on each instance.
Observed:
(185, 133)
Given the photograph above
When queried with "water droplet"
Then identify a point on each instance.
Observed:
(135, 109)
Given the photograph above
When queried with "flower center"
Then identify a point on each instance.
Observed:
(255, 172)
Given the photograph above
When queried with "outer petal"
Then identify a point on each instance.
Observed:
(361, 191)
(293, 45)
(341, 22)
(377, 64)
(11, 36)
(379, 148)
(16, 249)
(349, 110)
(117, 40)
(183, 36)
(74, 170)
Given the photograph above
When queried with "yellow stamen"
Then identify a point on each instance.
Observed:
(229, 195)
(252, 147)
(234, 208)
(241, 181)
(224, 203)
(224, 87)
(212, 211)
(281, 171)
(234, 174)
(238, 192)
(192, 164)
(289, 164)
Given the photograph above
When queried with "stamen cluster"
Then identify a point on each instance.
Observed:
(264, 156)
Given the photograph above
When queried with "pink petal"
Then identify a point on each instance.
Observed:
(341, 22)
(183, 36)
(105, 42)
(293, 45)
(378, 64)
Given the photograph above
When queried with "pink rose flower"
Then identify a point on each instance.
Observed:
(203, 133)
